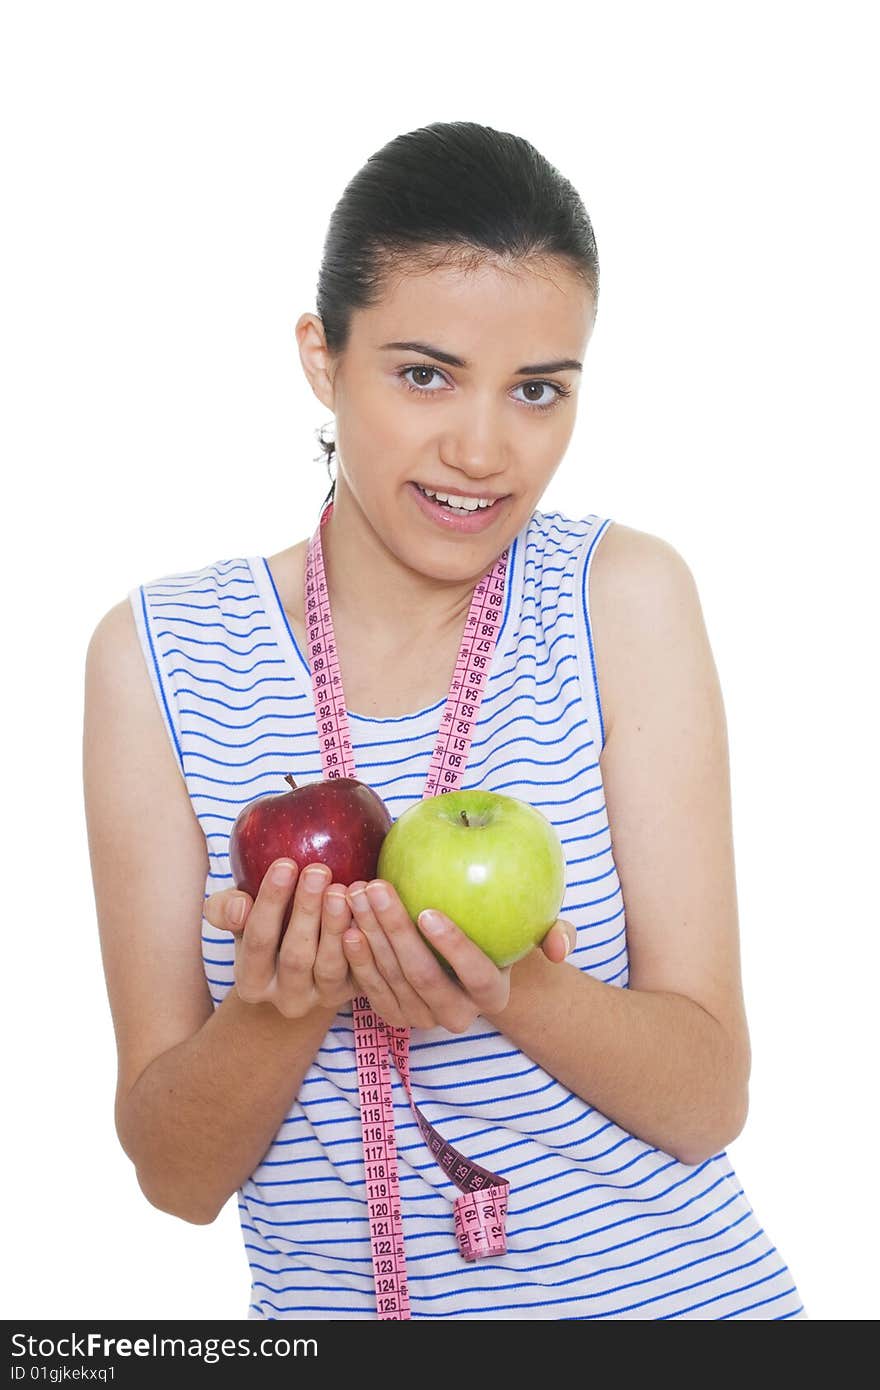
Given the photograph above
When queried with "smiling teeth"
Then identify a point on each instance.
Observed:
(462, 504)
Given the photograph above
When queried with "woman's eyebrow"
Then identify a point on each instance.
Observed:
(566, 364)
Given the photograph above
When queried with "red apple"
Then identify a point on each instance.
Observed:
(338, 821)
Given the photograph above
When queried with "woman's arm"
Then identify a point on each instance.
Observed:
(200, 1093)
(201, 1116)
(668, 1058)
(654, 1062)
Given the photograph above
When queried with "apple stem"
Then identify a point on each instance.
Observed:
(465, 819)
(289, 778)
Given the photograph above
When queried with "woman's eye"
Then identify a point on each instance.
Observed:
(421, 372)
(549, 394)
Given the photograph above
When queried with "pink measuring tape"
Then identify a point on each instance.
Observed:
(481, 1207)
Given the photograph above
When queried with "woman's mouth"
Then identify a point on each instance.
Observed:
(466, 518)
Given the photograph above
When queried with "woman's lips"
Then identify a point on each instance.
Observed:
(466, 522)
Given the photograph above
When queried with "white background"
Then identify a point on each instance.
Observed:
(168, 172)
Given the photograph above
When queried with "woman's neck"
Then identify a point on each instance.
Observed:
(380, 598)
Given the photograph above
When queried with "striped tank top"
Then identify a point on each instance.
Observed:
(600, 1224)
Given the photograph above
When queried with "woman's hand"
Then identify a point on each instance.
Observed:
(406, 984)
(309, 970)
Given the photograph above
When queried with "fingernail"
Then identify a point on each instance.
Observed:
(236, 911)
(335, 904)
(282, 875)
(431, 923)
(315, 879)
(379, 896)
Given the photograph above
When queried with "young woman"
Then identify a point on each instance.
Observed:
(602, 1075)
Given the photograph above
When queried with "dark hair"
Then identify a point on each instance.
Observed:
(448, 192)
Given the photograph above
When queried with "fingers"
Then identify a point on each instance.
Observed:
(483, 983)
(424, 991)
(227, 909)
(383, 953)
(296, 958)
(331, 970)
(257, 948)
(369, 980)
(559, 941)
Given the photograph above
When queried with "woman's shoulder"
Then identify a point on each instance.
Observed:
(182, 601)
(639, 587)
(609, 546)
(634, 562)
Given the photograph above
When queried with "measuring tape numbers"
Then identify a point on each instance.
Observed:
(481, 1207)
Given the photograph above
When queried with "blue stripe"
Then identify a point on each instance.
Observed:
(595, 1252)
(485, 1267)
(589, 627)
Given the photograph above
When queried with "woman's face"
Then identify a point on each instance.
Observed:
(480, 425)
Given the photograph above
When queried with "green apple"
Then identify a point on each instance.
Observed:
(492, 863)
